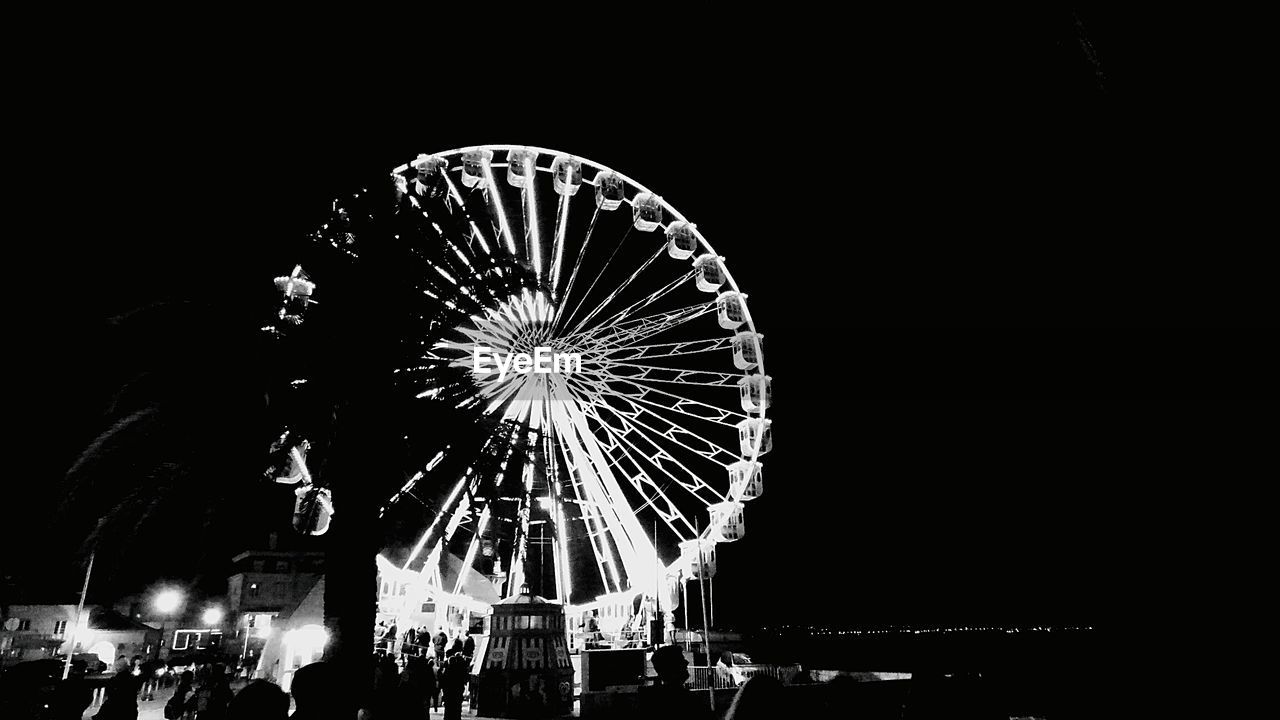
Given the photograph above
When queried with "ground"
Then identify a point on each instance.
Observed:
(154, 710)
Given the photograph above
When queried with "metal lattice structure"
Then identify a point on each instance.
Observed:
(603, 479)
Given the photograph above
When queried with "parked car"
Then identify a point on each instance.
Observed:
(731, 668)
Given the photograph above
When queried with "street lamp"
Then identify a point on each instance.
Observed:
(212, 616)
(166, 602)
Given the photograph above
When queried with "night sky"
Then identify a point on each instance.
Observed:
(927, 218)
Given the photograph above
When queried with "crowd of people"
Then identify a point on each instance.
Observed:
(421, 643)
(316, 691)
(418, 668)
(406, 687)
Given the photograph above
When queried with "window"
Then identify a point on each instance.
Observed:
(259, 565)
(428, 607)
(24, 625)
(253, 589)
(59, 628)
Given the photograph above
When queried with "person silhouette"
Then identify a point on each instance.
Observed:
(71, 698)
(122, 698)
(759, 697)
(316, 690)
(259, 700)
(669, 698)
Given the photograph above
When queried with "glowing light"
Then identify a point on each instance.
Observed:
(212, 616)
(561, 227)
(533, 219)
(458, 198)
(167, 601)
(502, 214)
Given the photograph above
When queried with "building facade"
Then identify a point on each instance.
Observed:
(264, 589)
(36, 632)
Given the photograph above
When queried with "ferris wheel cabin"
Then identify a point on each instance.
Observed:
(566, 174)
(681, 242)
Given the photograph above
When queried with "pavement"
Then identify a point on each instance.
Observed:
(154, 709)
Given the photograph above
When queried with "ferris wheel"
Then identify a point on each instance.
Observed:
(615, 357)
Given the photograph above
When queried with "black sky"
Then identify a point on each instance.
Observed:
(925, 212)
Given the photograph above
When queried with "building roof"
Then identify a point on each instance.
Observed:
(474, 585)
(101, 618)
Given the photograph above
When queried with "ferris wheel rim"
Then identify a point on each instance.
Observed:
(707, 534)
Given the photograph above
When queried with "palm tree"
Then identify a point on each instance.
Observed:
(203, 392)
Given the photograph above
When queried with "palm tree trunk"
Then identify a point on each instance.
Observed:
(364, 455)
(350, 593)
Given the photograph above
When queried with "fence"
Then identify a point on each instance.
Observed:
(702, 677)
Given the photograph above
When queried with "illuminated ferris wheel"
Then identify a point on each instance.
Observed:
(616, 359)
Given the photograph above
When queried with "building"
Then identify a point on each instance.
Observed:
(35, 632)
(291, 641)
(264, 589)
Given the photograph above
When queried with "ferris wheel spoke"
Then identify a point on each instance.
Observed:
(606, 334)
(597, 504)
(644, 327)
(653, 494)
(620, 288)
(617, 319)
(665, 350)
(469, 480)
(604, 386)
(575, 483)
(528, 199)
(562, 226)
(634, 545)
(577, 264)
(596, 279)
(683, 405)
(637, 372)
(695, 485)
(457, 198)
(672, 432)
(495, 202)
(472, 546)
(407, 488)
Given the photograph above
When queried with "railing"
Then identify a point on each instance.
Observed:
(606, 640)
(703, 678)
(781, 673)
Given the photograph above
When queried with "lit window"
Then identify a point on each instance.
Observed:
(59, 628)
(253, 589)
